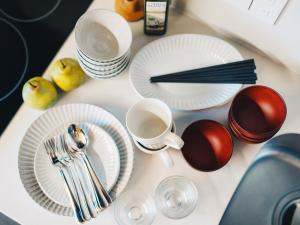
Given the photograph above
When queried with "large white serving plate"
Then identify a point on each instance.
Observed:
(49, 121)
(178, 53)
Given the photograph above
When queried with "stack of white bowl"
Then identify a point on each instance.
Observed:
(103, 40)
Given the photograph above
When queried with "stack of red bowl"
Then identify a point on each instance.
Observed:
(256, 114)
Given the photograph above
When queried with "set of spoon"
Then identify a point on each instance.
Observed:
(87, 194)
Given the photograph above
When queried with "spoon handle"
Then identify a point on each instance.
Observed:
(79, 191)
(100, 190)
(76, 207)
(98, 205)
(87, 195)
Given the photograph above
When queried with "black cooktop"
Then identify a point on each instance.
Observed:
(32, 31)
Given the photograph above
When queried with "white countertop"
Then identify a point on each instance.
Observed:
(116, 95)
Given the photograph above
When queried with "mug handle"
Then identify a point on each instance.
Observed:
(166, 158)
(173, 141)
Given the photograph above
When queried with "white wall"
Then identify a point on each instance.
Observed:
(281, 41)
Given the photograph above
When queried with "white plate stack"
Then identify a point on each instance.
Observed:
(103, 40)
(110, 152)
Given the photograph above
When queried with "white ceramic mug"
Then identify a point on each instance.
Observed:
(163, 152)
(150, 124)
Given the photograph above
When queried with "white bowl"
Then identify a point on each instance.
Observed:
(94, 75)
(101, 63)
(99, 67)
(105, 72)
(103, 35)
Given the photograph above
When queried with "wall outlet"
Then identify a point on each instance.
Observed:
(267, 10)
(242, 4)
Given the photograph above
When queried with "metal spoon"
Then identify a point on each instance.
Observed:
(86, 202)
(98, 204)
(79, 142)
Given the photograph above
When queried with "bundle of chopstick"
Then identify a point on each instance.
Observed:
(241, 72)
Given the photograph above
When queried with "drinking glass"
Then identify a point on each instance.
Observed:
(176, 197)
(135, 208)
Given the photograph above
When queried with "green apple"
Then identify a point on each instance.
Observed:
(67, 74)
(39, 93)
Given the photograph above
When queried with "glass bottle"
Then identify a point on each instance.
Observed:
(156, 17)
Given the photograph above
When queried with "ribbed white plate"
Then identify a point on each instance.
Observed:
(102, 152)
(178, 53)
(50, 120)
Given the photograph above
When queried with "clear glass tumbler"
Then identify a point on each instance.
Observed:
(135, 208)
(176, 197)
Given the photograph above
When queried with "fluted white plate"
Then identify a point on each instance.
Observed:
(49, 121)
(178, 53)
(102, 152)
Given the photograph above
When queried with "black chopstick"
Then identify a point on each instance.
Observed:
(242, 72)
(199, 72)
(227, 77)
(249, 78)
(209, 81)
(231, 71)
(235, 74)
(234, 65)
(213, 82)
(249, 75)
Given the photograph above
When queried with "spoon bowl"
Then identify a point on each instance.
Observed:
(78, 139)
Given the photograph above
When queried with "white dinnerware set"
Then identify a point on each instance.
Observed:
(103, 39)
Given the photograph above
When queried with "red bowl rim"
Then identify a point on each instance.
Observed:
(264, 133)
(243, 138)
(247, 133)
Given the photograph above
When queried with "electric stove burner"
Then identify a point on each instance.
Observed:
(28, 10)
(14, 62)
(32, 31)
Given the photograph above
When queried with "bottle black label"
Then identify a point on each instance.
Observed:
(155, 16)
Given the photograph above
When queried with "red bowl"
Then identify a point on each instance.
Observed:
(207, 146)
(244, 138)
(266, 135)
(258, 112)
(240, 132)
